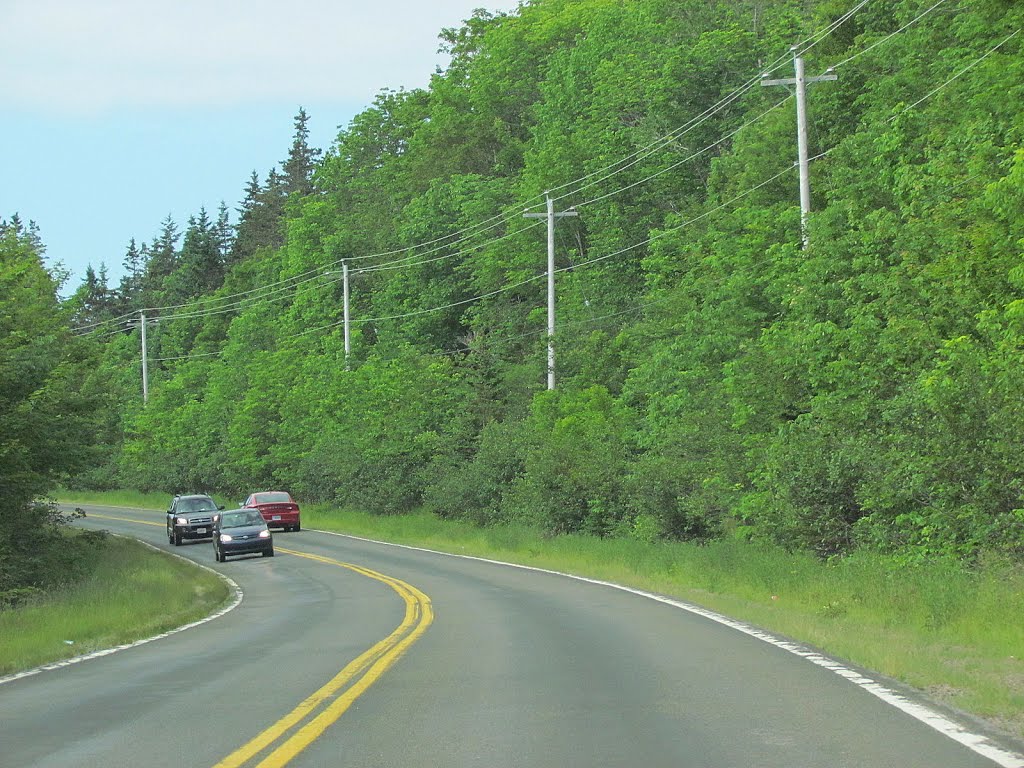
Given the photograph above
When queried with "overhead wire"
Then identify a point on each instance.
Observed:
(888, 37)
(959, 74)
(662, 233)
(409, 261)
(527, 281)
(714, 109)
(598, 259)
(499, 218)
(690, 157)
(286, 286)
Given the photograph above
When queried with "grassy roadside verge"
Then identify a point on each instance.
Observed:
(953, 632)
(133, 592)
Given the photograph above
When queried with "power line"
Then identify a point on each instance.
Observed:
(510, 211)
(963, 71)
(714, 109)
(407, 262)
(284, 287)
(527, 281)
(692, 156)
(889, 36)
(601, 258)
(804, 47)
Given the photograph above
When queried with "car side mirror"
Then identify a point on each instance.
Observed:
(221, 507)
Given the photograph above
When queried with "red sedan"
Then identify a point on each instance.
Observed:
(277, 507)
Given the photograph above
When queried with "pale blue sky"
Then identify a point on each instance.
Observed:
(117, 113)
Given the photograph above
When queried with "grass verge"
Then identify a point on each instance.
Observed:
(132, 592)
(951, 631)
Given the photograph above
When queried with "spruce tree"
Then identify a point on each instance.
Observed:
(224, 232)
(200, 265)
(129, 292)
(93, 302)
(260, 217)
(163, 259)
(302, 159)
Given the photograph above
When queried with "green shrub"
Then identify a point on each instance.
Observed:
(576, 460)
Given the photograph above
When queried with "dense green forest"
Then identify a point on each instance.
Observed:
(714, 377)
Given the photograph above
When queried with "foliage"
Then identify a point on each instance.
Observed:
(716, 380)
(45, 417)
(575, 461)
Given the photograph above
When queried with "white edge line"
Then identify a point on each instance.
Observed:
(934, 719)
(107, 651)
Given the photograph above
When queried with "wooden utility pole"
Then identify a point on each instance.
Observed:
(145, 363)
(800, 81)
(348, 332)
(551, 216)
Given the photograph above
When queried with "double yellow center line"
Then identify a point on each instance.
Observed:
(334, 698)
(316, 713)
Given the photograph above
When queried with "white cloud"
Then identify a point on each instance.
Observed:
(69, 56)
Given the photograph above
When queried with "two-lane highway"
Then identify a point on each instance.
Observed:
(345, 652)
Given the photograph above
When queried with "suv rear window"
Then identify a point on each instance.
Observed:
(196, 505)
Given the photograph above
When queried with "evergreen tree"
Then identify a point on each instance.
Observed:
(224, 232)
(260, 217)
(247, 239)
(302, 159)
(133, 263)
(93, 301)
(200, 265)
(163, 260)
(129, 292)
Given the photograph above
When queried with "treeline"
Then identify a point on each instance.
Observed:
(714, 378)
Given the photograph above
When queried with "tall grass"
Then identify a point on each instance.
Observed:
(132, 592)
(134, 499)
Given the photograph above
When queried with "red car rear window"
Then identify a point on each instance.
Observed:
(270, 498)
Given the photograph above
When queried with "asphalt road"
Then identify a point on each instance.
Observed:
(352, 653)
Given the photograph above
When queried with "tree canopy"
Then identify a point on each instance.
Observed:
(715, 378)
(47, 414)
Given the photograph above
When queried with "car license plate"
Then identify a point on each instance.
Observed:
(276, 517)
(200, 530)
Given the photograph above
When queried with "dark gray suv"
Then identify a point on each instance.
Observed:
(190, 517)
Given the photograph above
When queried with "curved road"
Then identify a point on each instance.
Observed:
(345, 652)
